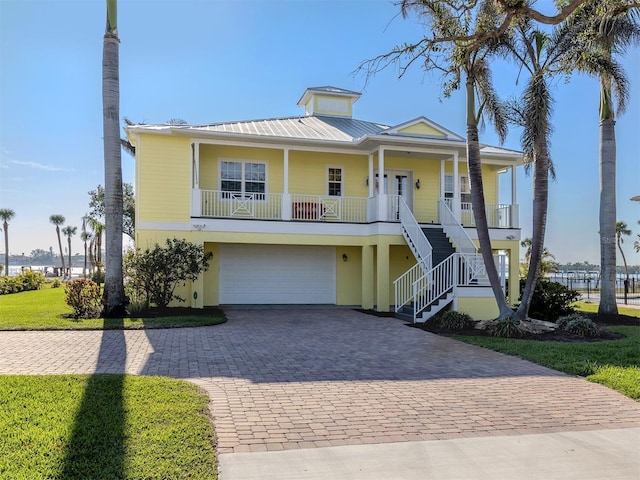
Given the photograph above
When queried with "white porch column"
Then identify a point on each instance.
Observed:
(515, 221)
(196, 203)
(371, 178)
(455, 204)
(383, 213)
(286, 197)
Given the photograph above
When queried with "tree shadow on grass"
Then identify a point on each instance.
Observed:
(96, 448)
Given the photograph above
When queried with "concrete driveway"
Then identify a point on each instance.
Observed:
(309, 378)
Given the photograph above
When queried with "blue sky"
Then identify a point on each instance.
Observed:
(209, 61)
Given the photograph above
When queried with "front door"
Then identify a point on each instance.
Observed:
(397, 184)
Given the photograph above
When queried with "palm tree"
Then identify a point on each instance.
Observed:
(543, 56)
(468, 61)
(622, 229)
(95, 247)
(114, 298)
(69, 232)
(607, 35)
(548, 262)
(58, 220)
(6, 214)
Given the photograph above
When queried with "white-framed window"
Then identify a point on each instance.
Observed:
(334, 181)
(448, 186)
(241, 178)
(465, 188)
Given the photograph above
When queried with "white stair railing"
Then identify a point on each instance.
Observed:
(434, 284)
(403, 286)
(414, 235)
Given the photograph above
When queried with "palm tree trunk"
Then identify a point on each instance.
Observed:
(478, 204)
(60, 246)
(540, 207)
(114, 297)
(69, 267)
(608, 304)
(6, 248)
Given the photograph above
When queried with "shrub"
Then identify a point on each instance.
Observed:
(452, 321)
(98, 276)
(505, 328)
(578, 325)
(83, 296)
(31, 280)
(551, 300)
(56, 283)
(563, 321)
(155, 273)
(27, 280)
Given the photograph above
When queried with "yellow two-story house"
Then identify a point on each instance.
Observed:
(323, 208)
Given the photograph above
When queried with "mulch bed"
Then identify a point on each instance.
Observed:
(602, 321)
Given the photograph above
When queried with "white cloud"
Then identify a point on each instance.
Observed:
(40, 166)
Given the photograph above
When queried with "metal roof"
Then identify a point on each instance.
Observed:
(312, 127)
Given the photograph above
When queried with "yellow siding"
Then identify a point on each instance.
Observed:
(164, 181)
(489, 179)
(425, 200)
(422, 129)
(479, 308)
(210, 156)
(349, 276)
(308, 173)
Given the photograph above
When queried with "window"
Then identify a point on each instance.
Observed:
(243, 179)
(448, 186)
(335, 182)
(465, 189)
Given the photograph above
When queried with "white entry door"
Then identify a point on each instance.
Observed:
(274, 274)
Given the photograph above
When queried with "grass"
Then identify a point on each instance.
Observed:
(45, 310)
(613, 363)
(589, 307)
(104, 426)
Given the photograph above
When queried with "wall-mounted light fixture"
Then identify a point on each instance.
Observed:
(366, 180)
(344, 257)
(418, 184)
(511, 237)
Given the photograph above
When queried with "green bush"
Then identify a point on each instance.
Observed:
(83, 296)
(578, 325)
(452, 321)
(25, 281)
(56, 283)
(505, 328)
(551, 300)
(154, 274)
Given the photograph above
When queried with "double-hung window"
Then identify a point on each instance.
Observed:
(334, 186)
(243, 179)
(465, 189)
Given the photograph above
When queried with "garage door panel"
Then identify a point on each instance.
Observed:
(269, 274)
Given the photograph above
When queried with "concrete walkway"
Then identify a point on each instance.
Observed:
(337, 394)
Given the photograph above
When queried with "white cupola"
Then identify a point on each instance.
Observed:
(331, 101)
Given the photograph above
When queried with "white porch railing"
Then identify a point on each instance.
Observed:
(454, 230)
(265, 206)
(328, 209)
(498, 215)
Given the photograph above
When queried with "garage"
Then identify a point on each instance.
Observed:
(277, 274)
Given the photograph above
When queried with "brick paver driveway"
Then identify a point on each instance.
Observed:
(298, 378)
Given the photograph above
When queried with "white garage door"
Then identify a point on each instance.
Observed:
(270, 274)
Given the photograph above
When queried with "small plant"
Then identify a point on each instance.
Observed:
(505, 328)
(27, 280)
(563, 321)
(56, 283)
(582, 326)
(452, 321)
(83, 296)
(136, 307)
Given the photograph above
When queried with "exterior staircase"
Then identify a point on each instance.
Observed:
(442, 249)
(446, 258)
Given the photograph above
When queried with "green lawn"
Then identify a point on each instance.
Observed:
(614, 363)
(44, 309)
(104, 426)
